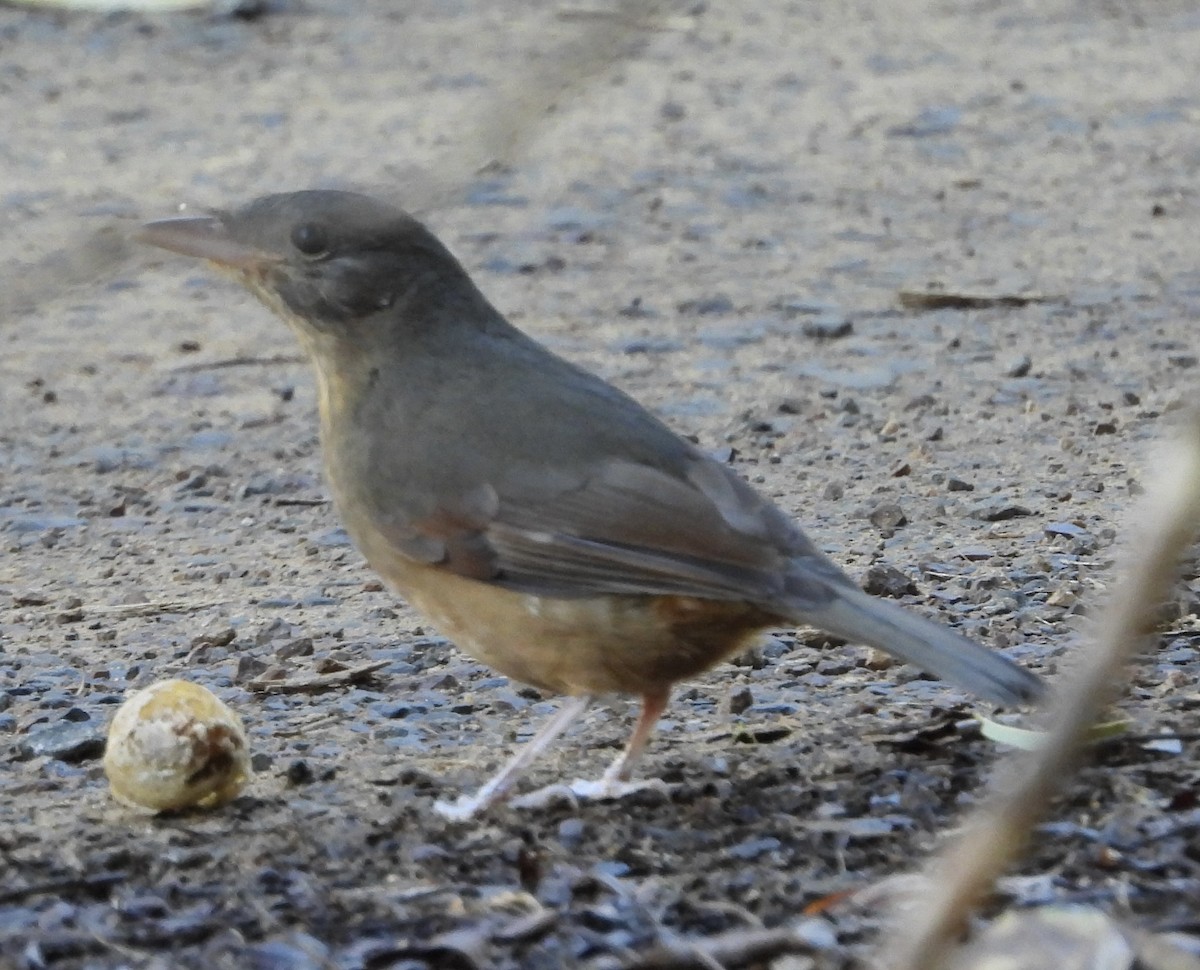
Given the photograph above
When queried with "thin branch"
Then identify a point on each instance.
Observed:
(1158, 535)
(737, 948)
(302, 685)
(226, 362)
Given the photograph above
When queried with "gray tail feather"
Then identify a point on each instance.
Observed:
(934, 648)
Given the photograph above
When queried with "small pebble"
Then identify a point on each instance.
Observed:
(249, 668)
(878, 660)
(828, 329)
(300, 647)
(888, 581)
(571, 831)
(740, 699)
(216, 638)
(69, 741)
(707, 306)
(887, 516)
(998, 510)
(1019, 366)
(753, 848)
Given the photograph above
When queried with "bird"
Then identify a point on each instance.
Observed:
(536, 515)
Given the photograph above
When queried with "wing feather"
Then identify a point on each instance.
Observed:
(622, 528)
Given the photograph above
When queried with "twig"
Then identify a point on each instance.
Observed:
(301, 685)
(503, 124)
(92, 882)
(96, 255)
(633, 18)
(204, 365)
(150, 609)
(305, 727)
(1158, 536)
(944, 300)
(737, 948)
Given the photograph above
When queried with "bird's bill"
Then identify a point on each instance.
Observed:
(205, 237)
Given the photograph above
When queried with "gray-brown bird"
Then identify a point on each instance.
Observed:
(540, 518)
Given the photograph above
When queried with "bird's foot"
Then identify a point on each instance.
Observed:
(500, 784)
(602, 789)
(611, 789)
(549, 795)
(462, 808)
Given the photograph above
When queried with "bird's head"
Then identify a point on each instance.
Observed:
(325, 260)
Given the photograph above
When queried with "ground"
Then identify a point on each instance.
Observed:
(721, 214)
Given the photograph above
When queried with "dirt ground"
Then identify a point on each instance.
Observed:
(722, 222)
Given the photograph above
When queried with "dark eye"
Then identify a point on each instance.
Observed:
(310, 238)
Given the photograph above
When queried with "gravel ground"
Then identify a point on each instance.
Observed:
(735, 221)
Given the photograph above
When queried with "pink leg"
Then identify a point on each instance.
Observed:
(653, 706)
(615, 783)
(496, 787)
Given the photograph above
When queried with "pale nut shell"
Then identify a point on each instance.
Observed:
(176, 745)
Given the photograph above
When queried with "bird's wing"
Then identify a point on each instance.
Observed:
(621, 527)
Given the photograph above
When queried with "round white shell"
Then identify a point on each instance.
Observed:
(176, 745)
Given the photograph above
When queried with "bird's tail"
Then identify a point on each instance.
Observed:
(935, 648)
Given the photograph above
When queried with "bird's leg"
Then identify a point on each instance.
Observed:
(496, 787)
(653, 706)
(615, 781)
